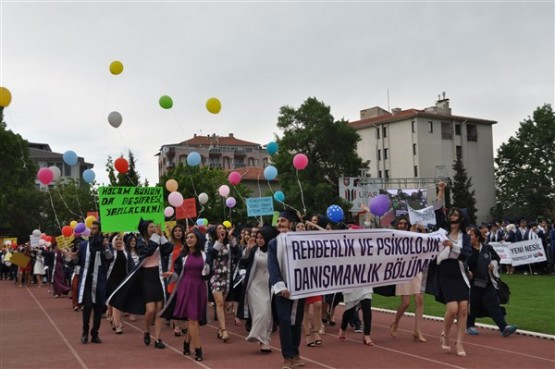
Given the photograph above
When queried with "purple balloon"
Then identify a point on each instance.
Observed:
(80, 228)
(230, 202)
(379, 205)
(86, 232)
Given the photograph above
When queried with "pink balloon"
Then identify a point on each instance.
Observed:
(230, 202)
(175, 199)
(300, 161)
(86, 232)
(223, 190)
(45, 176)
(234, 178)
(168, 211)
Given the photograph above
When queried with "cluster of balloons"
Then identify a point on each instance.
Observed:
(202, 222)
(79, 229)
(379, 205)
(5, 97)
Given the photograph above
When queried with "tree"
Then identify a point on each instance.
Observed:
(195, 180)
(525, 167)
(131, 178)
(19, 213)
(463, 196)
(330, 146)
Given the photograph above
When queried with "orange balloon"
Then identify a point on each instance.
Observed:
(121, 165)
(171, 185)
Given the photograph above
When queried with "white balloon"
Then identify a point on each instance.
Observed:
(37, 233)
(203, 198)
(57, 172)
(115, 119)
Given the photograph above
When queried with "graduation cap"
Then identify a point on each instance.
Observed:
(290, 215)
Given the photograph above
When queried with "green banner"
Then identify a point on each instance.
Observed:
(121, 208)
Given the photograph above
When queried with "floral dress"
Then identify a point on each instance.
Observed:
(221, 269)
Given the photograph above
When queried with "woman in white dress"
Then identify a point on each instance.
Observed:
(38, 269)
(256, 304)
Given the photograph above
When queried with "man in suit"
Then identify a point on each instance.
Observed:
(495, 234)
(290, 312)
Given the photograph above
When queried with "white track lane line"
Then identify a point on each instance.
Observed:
(81, 362)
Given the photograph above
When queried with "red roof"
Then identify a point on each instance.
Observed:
(412, 113)
(219, 140)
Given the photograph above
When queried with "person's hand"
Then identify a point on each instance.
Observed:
(441, 185)
(285, 294)
(105, 241)
(230, 232)
(158, 230)
(491, 267)
(447, 243)
(251, 243)
(167, 274)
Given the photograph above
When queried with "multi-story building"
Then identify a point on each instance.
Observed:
(407, 146)
(43, 156)
(225, 152)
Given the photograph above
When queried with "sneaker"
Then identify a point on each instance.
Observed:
(472, 331)
(510, 329)
(358, 328)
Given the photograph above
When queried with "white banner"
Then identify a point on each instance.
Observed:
(526, 252)
(323, 262)
(423, 216)
(503, 251)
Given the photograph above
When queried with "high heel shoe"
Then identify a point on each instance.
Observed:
(393, 330)
(119, 330)
(460, 350)
(186, 347)
(418, 337)
(198, 354)
(442, 340)
(342, 337)
(310, 340)
(317, 338)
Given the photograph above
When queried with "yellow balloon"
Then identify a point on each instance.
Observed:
(213, 105)
(227, 224)
(116, 67)
(89, 221)
(73, 224)
(171, 185)
(5, 97)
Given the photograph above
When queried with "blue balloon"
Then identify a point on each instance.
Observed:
(200, 222)
(270, 172)
(335, 213)
(89, 175)
(279, 196)
(193, 159)
(272, 148)
(70, 158)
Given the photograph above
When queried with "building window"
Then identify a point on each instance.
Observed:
(458, 151)
(413, 149)
(458, 129)
(430, 126)
(416, 171)
(387, 173)
(384, 130)
(379, 174)
(413, 126)
(378, 133)
(385, 154)
(446, 131)
(379, 154)
(471, 132)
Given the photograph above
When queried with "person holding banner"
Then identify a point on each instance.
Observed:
(483, 264)
(290, 312)
(223, 252)
(408, 289)
(447, 278)
(143, 291)
(256, 301)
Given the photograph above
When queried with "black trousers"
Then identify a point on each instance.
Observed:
(96, 309)
(485, 302)
(366, 307)
(289, 331)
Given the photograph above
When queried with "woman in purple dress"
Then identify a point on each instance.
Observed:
(188, 300)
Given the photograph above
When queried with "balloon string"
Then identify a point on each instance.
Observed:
(179, 124)
(284, 204)
(53, 209)
(129, 178)
(246, 203)
(302, 193)
(192, 182)
(65, 203)
(78, 202)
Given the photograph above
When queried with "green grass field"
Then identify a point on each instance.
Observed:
(531, 307)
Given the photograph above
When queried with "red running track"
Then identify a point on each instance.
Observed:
(39, 331)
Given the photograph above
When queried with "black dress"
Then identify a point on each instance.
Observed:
(118, 272)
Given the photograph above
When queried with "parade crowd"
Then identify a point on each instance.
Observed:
(183, 278)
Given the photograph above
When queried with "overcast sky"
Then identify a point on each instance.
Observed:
(494, 61)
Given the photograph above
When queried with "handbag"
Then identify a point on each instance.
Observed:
(503, 292)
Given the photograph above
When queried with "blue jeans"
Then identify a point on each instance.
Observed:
(289, 332)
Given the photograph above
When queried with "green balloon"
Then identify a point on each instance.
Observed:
(166, 102)
(205, 221)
